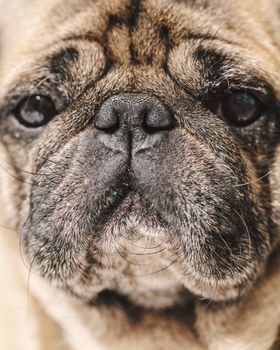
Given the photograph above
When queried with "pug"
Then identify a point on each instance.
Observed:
(140, 174)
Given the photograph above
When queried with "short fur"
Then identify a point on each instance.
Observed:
(176, 247)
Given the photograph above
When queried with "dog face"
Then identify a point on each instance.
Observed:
(141, 137)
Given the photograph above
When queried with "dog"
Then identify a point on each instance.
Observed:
(140, 174)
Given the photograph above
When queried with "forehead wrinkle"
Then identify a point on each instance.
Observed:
(205, 67)
(125, 36)
(135, 39)
(63, 58)
(127, 13)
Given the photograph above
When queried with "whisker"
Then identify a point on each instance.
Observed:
(21, 236)
(52, 161)
(158, 271)
(26, 172)
(34, 183)
(228, 247)
(143, 254)
(247, 231)
(130, 262)
(212, 297)
(255, 180)
(14, 176)
(40, 83)
(141, 247)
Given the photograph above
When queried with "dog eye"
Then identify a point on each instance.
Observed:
(241, 109)
(35, 111)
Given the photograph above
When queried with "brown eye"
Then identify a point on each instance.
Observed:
(35, 111)
(241, 109)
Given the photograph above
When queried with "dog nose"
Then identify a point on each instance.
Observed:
(132, 122)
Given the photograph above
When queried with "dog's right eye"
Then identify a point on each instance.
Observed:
(241, 109)
(35, 111)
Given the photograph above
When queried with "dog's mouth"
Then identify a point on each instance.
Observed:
(143, 226)
(132, 259)
(135, 249)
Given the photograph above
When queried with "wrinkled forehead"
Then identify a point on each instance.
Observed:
(135, 31)
(82, 41)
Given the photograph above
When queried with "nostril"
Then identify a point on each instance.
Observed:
(129, 112)
(158, 119)
(107, 119)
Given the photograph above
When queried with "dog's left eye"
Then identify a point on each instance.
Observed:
(241, 109)
(35, 111)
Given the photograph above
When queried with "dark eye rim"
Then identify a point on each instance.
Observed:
(261, 109)
(23, 102)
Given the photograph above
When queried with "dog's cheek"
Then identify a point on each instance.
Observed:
(14, 184)
(275, 186)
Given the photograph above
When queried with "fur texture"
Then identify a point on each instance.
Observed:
(136, 239)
